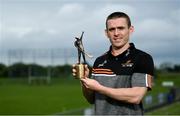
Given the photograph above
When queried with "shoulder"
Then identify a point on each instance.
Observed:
(103, 56)
(144, 62)
(141, 55)
(101, 59)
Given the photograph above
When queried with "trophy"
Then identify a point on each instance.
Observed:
(80, 66)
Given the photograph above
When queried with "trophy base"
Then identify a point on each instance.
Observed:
(80, 71)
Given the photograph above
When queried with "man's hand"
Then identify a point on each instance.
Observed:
(91, 84)
(86, 73)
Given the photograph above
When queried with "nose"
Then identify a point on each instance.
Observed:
(116, 32)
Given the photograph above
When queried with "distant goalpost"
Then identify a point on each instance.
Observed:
(39, 79)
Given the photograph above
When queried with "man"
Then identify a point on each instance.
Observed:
(121, 77)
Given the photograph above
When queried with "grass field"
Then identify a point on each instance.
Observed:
(157, 87)
(18, 97)
(172, 109)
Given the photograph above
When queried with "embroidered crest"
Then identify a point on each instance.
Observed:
(102, 64)
(128, 63)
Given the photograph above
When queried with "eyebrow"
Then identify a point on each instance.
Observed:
(120, 27)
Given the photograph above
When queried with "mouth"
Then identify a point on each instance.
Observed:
(117, 39)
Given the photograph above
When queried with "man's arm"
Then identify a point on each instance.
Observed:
(131, 95)
(88, 94)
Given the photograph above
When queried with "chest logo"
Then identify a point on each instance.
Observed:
(100, 65)
(128, 63)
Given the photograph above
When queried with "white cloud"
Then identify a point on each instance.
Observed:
(57, 23)
(175, 15)
(157, 29)
(18, 32)
(71, 9)
(158, 36)
(109, 8)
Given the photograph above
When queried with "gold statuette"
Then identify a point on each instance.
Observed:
(80, 67)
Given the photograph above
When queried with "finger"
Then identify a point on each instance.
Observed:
(74, 70)
(73, 66)
(86, 70)
(86, 67)
(85, 83)
(84, 77)
(83, 80)
(74, 74)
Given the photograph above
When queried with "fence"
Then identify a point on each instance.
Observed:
(149, 102)
(38, 56)
(162, 99)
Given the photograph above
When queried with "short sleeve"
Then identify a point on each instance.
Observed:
(142, 80)
(143, 72)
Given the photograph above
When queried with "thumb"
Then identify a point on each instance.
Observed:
(86, 71)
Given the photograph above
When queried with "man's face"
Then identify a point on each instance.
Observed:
(118, 32)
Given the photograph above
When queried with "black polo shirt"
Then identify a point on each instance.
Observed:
(132, 68)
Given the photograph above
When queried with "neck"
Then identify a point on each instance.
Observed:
(119, 50)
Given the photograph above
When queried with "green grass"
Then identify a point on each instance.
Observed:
(172, 109)
(158, 88)
(17, 97)
(62, 95)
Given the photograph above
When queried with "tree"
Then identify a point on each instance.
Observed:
(177, 68)
(18, 70)
(3, 70)
(166, 66)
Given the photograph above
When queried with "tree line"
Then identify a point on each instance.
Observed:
(25, 70)
(169, 67)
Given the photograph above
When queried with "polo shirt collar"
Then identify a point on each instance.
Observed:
(125, 53)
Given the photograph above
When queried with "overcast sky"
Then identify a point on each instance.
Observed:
(54, 24)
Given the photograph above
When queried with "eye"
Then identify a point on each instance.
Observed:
(121, 28)
(111, 29)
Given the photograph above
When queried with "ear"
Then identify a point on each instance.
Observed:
(131, 29)
(106, 33)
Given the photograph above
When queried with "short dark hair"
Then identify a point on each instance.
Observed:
(115, 15)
